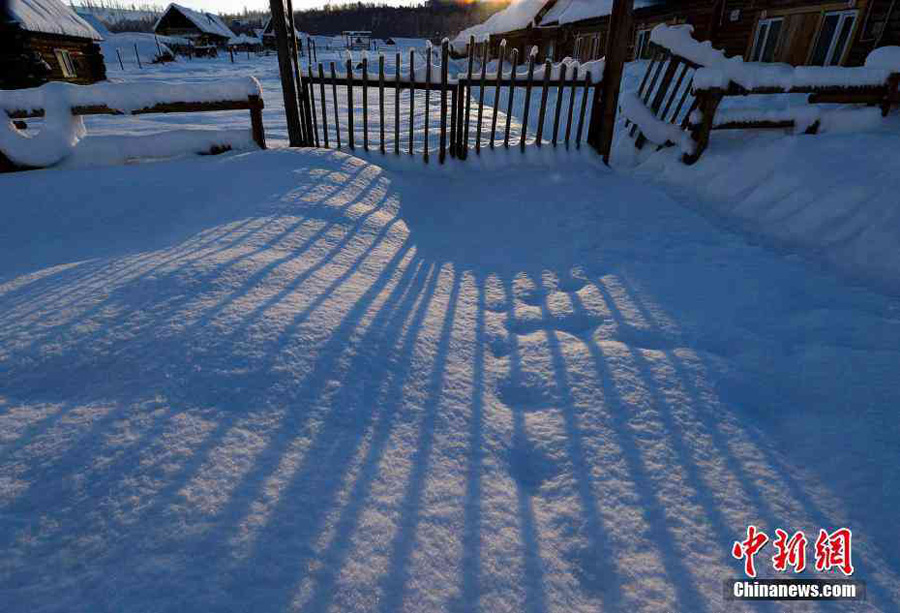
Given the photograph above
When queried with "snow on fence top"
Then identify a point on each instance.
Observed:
(205, 22)
(49, 17)
(127, 97)
(718, 71)
(884, 58)
(519, 14)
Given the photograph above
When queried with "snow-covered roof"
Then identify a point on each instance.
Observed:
(267, 32)
(519, 14)
(570, 11)
(244, 39)
(49, 17)
(205, 22)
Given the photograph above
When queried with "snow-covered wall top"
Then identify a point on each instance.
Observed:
(519, 14)
(570, 11)
(205, 22)
(49, 17)
(718, 71)
(127, 97)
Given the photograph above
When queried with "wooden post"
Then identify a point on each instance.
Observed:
(708, 102)
(381, 101)
(231, 53)
(158, 48)
(256, 122)
(606, 94)
(119, 55)
(136, 55)
(584, 95)
(302, 89)
(285, 68)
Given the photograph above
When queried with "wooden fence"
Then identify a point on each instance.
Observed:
(453, 95)
(669, 77)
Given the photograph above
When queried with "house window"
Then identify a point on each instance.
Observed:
(767, 33)
(834, 38)
(65, 62)
(642, 45)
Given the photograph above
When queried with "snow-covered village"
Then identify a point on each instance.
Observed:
(450, 305)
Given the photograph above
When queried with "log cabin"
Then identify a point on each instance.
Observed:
(798, 32)
(204, 30)
(45, 40)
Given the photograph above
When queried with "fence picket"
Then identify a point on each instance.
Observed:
(512, 95)
(584, 97)
(427, 96)
(324, 104)
(529, 80)
(312, 95)
(365, 101)
(412, 96)
(350, 134)
(501, 58)
(444, 57)
(381, 100)
(572, 90)
(560, 91)
(468, 94)
(548, 68)
(484, 61)
(337, 120)
(399, 64)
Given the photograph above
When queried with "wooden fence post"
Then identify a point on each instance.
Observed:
(285, 68)
(606, 94)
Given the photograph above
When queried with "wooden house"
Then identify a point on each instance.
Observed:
(268, 36)
(45, 40)
(803, 32)
(204, 30)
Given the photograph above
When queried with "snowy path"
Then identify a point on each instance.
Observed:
(300, 381)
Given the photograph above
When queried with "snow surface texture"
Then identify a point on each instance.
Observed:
(718, 71)
(832, 195)
(48, 16)
(293, 380)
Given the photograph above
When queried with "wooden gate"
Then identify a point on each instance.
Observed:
(357, 104)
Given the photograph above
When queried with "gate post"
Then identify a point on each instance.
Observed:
(289, 85)
(606, 96)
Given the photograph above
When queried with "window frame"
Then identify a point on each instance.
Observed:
(642, 33)
(760, 44)
(853, 15)
(65, 63)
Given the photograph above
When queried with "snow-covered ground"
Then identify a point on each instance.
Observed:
(299, 380)
(303, 380)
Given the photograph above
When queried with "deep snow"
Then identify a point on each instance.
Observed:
(299, 380)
